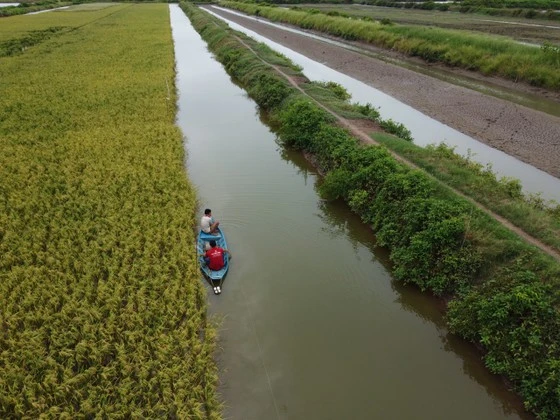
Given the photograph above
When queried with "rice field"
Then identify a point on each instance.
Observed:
(102, 312)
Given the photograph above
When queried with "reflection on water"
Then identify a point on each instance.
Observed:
(313, 325)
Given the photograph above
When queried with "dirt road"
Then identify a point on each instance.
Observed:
(531, 136)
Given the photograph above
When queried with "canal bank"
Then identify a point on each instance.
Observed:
(313, 325)
(515, 140)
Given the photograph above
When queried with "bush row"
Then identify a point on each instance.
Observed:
(437, 240)
(503, 195)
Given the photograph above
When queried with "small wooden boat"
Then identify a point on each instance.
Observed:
(215, 278)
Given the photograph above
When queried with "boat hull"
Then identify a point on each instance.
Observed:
(215, 277)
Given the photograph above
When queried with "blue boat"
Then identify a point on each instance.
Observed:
(215, 278)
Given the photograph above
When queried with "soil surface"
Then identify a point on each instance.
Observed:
(531, 136)
(361, 129)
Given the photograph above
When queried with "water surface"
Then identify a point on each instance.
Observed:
(313, 325)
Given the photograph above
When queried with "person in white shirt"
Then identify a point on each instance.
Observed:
(207, 223)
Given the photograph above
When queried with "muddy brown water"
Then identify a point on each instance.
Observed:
(312, 324)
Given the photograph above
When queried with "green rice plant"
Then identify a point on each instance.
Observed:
(103, 312)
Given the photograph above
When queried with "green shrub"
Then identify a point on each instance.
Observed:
(300, 121)
(268, 91)
(339, 91)
(396, 128)
(368, 110)
(332, 146)
(514, 317)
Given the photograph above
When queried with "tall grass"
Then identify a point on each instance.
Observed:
(29, 7)
(489, 55)
(102, 310)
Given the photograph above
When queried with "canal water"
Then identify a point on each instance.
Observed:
(312, 325)
(425, 130)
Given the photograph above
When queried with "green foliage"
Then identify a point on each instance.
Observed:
(514, 317)
(25, 7)
(502, 195)
(397, 129)
(438, 256)
(339, 91)
(530, 14)
(300, 121)
(332, 146)
(336, 184)
(268, 91)
(511, 186)
(369, 111)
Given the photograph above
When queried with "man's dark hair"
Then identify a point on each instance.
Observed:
(212, 243)
(207, 211)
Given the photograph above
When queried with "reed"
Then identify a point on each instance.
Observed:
(490, 55)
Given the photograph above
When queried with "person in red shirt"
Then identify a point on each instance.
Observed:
(214, 257)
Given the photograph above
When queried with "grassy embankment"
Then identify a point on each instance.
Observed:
(539, 218)
(488, 55)
(518, 28)
(29, 7)
(103, 312)
(530, 9)
(504, 294)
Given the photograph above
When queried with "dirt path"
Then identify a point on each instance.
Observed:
(531, 136)
(361, 131)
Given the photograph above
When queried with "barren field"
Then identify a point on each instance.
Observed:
(532, 136)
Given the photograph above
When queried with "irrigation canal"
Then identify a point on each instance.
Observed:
(425, 130)
(312, 323)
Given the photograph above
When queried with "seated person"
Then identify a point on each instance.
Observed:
(207, 224)
(214, 257)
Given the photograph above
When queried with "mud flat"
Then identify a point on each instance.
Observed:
(530, 135)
